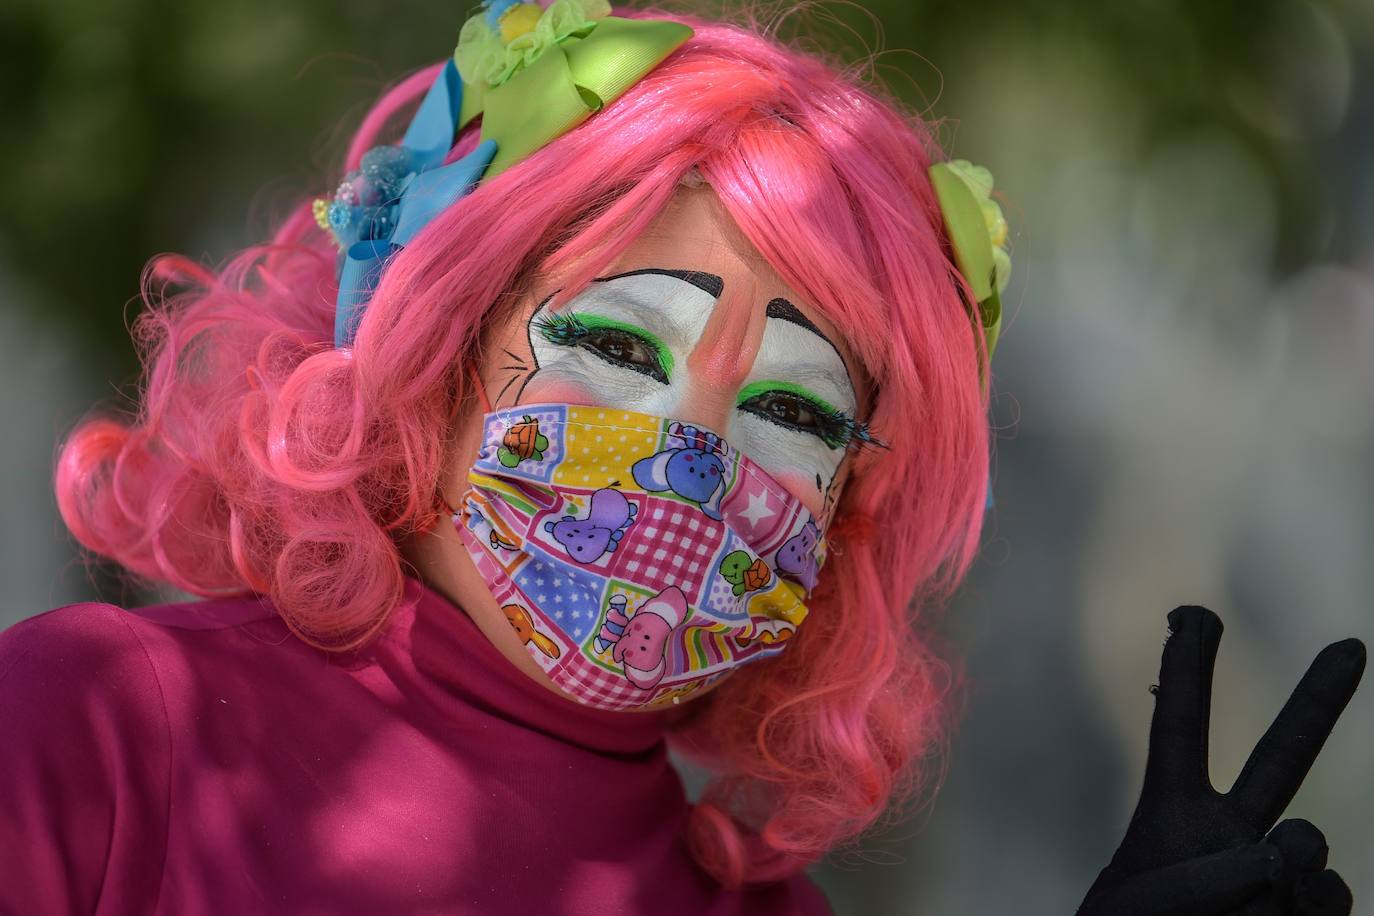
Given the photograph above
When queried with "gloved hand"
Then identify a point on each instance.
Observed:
(1192, 850)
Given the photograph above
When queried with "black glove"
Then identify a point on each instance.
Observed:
(1191, 850)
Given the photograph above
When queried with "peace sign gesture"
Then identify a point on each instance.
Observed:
(1190, 849)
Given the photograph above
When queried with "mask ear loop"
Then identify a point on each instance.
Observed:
(478, 387)
(481, 389)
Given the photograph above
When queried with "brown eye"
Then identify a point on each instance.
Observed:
(621, 348)
(786, 410)
(794, 411)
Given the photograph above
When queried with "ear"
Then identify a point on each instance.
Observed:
(670, 604)
(546, 645)
(652, 473)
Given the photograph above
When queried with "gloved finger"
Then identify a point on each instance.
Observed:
(1279, 763)
(1322, 893)
(1205, 886)
(1183, 702)
(1301, 844)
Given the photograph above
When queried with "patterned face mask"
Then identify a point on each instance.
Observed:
(638, 558)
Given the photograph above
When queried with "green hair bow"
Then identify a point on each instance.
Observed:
(535, 73)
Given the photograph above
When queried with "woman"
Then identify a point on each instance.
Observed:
(700, 327)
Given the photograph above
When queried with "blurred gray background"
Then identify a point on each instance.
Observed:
(1183, 390)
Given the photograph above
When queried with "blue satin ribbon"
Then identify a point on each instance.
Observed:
(430, 190)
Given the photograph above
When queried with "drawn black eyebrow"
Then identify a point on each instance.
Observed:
(710, 284)
(784, 310)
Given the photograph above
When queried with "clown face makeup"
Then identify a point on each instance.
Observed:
(626, 341)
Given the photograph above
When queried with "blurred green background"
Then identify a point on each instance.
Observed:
(1182, 393)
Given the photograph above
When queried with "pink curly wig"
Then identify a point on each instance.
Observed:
(263, 460)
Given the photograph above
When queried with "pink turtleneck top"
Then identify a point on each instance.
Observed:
(197, 758)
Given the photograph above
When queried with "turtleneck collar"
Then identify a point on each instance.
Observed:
(450, 648)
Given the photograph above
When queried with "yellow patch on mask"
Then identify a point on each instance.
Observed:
(782, 600)
(602, 445)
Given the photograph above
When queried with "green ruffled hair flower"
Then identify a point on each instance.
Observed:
(506, 36)
(979, 181)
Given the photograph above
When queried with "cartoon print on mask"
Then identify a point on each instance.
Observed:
(640, 640)
(744, 573)
(655, 609)
(522, 442)
(483, 519)
(797, 557)
(588, 540)
(767, 635)
(614, 626)
(519, 620)
(690, 466)
(500, 543)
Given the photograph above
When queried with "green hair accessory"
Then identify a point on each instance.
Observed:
(978, 234)
(535, 73)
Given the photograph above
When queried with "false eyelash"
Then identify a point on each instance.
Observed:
(560, 328)
(843, 431)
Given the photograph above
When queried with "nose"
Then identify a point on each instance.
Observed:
(721, 359)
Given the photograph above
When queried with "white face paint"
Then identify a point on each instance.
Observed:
(625, 342)
(796, 370)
